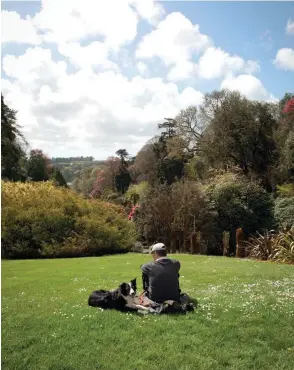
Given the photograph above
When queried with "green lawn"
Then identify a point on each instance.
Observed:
(245, 319)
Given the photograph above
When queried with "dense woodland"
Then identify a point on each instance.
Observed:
(224, 165)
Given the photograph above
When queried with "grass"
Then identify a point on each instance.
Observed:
(245, 319)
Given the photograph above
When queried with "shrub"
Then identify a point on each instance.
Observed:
(285, 190)
(241, 203)
(260, 246)
(136, 192)
(277, 247)
(41, 220)
(284, 212)
(283, 250)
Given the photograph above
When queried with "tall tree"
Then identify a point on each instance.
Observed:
(112, 168)
(38, 166)
(169, 126)
(123, 155)
(58, 178)
(239, 133)
(12, 143)
(123, 178)
(284, 137)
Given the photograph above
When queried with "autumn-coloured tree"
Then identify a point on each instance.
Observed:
(99, 184)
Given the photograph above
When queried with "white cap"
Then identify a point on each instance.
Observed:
(158, 247)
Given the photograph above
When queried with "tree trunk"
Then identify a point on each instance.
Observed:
(193, 243)
(198, 242)
(173, 244)
(240, 248)
(226, 243)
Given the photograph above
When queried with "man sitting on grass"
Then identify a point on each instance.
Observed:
(161, 276)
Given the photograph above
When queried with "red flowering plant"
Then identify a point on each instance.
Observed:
(133, 212)
(289, 106)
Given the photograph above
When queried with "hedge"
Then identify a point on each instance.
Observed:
(40, 220)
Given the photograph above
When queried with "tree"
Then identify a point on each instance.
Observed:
(12, 142)
(58, 178)
(284, 138)
(99, 184)
(169, 164)
(189, 128)
(181, 207)
(136, 192)
(123, 178)
(38, 166)
(288, 97)
(284, 212)
(240, 203)
(239, 133)
(169, 126)
(113, 166)
(144, 167)
(123, 155)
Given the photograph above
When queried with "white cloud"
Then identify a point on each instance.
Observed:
(290, 27)
(249, 86)
(215, 63)
(95, 109)
(183, 70)
(285, 59)
(85, 112)
(173, 41)
(149, 10)
(34, 69)
(96, 54)
(74, 20)
(18, 30)
(142, 68)
(178, 43)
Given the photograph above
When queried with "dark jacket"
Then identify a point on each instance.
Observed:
(161, 279)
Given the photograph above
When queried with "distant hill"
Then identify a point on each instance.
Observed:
(72, 167)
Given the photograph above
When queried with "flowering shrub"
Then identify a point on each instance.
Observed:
(289, 106)
(133, 211)
(41, 220)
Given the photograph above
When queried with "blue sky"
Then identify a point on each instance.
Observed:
(253, 30)
(248, 39)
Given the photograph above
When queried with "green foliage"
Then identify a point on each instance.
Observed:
(182, 206)
(58, 178)
(260, 246)
(284, 212)
(277, 247)
(38, 166)
(239, 132)
(240, 203)
(285, 190)
(72, 159)
(12, 142)
(283, 250)
(41, 220)
(136, 192)
(195, 169)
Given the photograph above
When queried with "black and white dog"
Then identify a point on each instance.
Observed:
(123, 298)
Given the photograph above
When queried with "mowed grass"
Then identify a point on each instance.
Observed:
(245, 318)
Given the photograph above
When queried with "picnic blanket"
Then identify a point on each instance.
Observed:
(168, 307)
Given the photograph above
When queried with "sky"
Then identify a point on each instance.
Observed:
(90, 77)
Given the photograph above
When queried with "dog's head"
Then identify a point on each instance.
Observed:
(130, 288)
